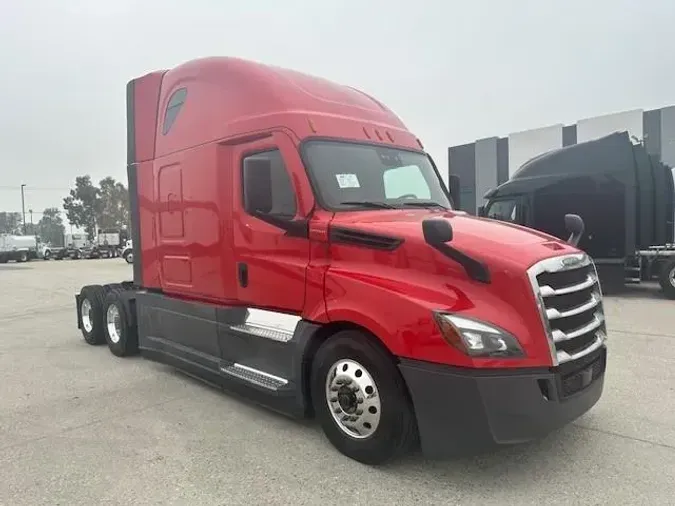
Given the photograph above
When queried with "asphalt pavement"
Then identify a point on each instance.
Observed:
(81, 426)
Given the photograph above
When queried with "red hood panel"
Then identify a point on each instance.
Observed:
(484, 239)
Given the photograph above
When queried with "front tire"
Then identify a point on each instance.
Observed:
(361, 400)
(667, 278)
(129, 257)
(120, 334)
(91, 314)
(47, 255)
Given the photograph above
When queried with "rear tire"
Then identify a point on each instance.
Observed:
(23, 257)
(91, 313)
(120, 334)
(355, 381)
(667, 278)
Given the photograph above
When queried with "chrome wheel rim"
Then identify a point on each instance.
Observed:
(130, 258)
(85, 314)
(113, 323)
(353, 399)
(671, 277)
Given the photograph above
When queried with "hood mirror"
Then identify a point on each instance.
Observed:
(575, 226)
(437, 231)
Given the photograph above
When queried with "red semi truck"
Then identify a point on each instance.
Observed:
(295, 244)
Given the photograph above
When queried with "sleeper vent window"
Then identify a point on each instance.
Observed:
(173, 108)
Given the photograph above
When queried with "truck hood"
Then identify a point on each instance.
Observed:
(490, 241)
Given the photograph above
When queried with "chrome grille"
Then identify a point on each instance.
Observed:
(570, 304)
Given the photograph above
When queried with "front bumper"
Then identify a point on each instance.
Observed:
(466, 411)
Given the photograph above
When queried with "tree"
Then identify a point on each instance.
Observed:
(83, 205)
(10, 223)
(115, 204)
(50, 227)
(92, 207)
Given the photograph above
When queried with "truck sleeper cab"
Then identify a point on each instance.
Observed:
(293, 243)
(624, 194)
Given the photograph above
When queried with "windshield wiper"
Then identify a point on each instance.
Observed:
(368, 203)
(423, 203)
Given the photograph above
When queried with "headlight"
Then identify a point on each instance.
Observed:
(476, 338)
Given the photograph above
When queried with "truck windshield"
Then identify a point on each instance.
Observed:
(352, 176)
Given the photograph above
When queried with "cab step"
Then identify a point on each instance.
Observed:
(254, 376)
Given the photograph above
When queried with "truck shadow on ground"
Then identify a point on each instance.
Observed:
(519, 464)
(645, 290)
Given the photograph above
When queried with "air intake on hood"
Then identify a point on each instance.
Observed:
(363, 239)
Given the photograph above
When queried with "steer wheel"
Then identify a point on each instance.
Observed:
(360, 399)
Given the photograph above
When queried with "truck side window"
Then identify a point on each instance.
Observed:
(173, 108)
(503, 210)
(407, 179)
(274, 193)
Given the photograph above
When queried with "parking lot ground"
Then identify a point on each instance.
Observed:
(80, 426)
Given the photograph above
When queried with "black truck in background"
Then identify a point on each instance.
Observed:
(624, 196)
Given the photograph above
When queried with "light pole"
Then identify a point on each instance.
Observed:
(23, 209)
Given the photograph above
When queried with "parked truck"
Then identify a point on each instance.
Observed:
(294, 243)
(20, 248)
(74, 248)
(127, 252)
(107, 244)
(623, 194)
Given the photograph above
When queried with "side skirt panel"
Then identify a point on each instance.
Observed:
(260, 355)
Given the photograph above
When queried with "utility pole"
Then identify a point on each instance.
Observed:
(23, 209)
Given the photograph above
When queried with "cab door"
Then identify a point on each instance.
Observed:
(272, 200)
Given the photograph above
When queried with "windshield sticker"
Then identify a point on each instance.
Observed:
(347, 181)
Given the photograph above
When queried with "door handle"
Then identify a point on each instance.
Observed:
(242, 274)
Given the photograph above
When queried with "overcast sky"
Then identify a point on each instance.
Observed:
(453, 70)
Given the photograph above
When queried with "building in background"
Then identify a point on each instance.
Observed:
(486, 163)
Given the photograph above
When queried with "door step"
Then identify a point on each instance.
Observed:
(255, 376)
